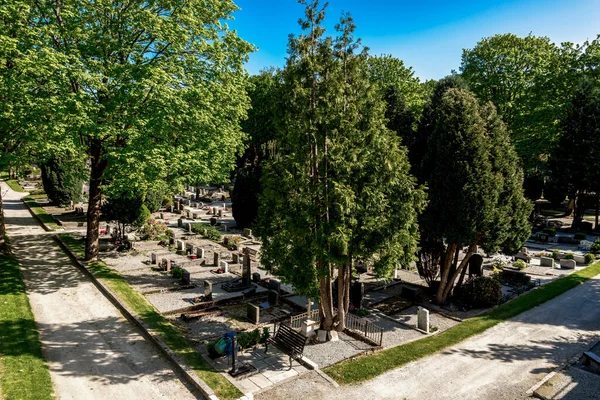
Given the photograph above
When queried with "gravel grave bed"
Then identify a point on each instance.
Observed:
(329, 353)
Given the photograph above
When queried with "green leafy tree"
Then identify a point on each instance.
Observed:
(338, 189)
(149, 89)
(63, 177)
(475, 185)
(575, 165)
(530, 80)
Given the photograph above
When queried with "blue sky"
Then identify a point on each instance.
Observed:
(428, 35)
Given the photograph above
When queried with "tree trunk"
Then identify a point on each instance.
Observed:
(459, 269)
(597, 210)
(2, 226)
(343, 296)
(98, 165)
(445, 271)
(326, 307)
(570, 207)
(579, 210)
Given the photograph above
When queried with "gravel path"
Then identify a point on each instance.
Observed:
(92, 351)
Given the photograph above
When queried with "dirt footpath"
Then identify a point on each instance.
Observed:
(92, 351)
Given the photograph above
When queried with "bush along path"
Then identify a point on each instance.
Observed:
(142, 309)
(369, 367)
(24, 372)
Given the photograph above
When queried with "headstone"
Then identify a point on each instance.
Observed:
(167, 265)
(220, 213)
(246, 270)
(579, 258)
(547, 262)
(207, 290)
(180, 222)
(475, 265)
(224, 266)
(236, 258)
(214, 211)
(108, 229)
(309, 328)
(253, 313)
(189, 248)
(409, 293)
(423, 319)
(273, 297)
(185, 277)
(217, 258)
(180, 245)
(247, 232)
(568, 264)
(224, 226)
(161, 215)
(333, 336)
(153, 258)
(255, 277)
(322, 335)
(189, 226)
(274, 284)
(171, 208)
(199, 252)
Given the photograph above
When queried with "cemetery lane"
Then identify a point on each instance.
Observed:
(93, 352)
(501, 363)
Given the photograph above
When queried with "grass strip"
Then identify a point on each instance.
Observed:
(24, 372)
(146, 311)
(369, 367)
(41, 213)
(14, 185)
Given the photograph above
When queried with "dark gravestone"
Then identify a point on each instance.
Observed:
(246, 270)
(275, 284)
(185, 277)
(357, 294)
(253, 313)
(207, 290)
(475, 265)
(255, 277)
(410, 293)
(273, 297)
(586, 226)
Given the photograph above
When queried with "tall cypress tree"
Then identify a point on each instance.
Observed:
(339, 187)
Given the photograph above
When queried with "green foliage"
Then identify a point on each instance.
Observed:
(24, 372)
(248, 339)
(520, 264)
(127, 207)
(481, 292)
(63, 177)
(580, 236)
(142, 218)
(37, 192)
(153, 230)
(589, 258)
(339, 185)
(176, 272)
(595, 247)
(207, 232)
(154, 199)
(14, 185)
(555, 254)
(549, 231)
(232, 242)
(266, 333)
(569, 256)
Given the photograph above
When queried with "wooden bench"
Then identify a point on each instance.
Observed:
(591, 357)
(289, 341)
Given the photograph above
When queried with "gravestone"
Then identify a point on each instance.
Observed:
(409, 293)
(189, 228)
(207, 291)
(357, 294)
(108, 231)
(185, 277)
(171, 208)
(220, 213)
(167, 265)
(273, 297)
(189, 247)
(236, 258)
(199, 252)
(255, 277)
(224, 266)
(247, 233)
(180, 245)
(253, 313)
(568, 264)
(246, 270)
(475, 265)
(224, 226)
(214, 211)
(423, 319)
(275, 284)
(547, 262)
(217, 258)
(161, 215)
(153, 258)
(180, 222)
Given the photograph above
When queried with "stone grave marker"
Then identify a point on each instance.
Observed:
(180, 245)
(185, 277)
(255, 277)
(236, 258)
(275, 284)
(153, 258)
(224, 266)
(246, 270)
(207, 291)
(220, 213)
(214, 211)
(423, 319)
(167, 264)
(247, 233)
(475, 265)
(253, 313)
(180, 222)
(189, 228)
(568, 264)
(547, 262)
(217, 258)
(189, 248)
(199, 252)
(273, 297)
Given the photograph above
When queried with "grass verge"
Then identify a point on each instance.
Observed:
(41, 213)
(14, 185)
(24, 373)
(144, 310)
(369, 367)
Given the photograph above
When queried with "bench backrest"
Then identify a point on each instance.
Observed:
(292, 342)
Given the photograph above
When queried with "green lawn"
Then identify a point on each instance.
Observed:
(369, 367)
(23, 371)
(41, 213)
(14, 185)
(169, 333)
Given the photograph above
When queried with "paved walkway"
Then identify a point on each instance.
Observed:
(502, 363)
(92, 351)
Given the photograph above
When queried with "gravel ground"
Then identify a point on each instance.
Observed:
(329, 353)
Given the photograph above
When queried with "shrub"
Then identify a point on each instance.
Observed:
(265, 334)
(555, 254)
(520, 264)
(589, 258)
(549, 231)
(498, 265)
(595, 247)
(62, 177)
(153, 230)
(232, 242)
(176, 272)
(569, 256)
(248, 339)
(143, 216)
(37, 192)
(207, 232)
(480, 292)
(154, 199)
(580, 236)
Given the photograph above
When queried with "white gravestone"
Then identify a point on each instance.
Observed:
(423, 319)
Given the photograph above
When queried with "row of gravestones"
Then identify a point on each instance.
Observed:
(253, 311)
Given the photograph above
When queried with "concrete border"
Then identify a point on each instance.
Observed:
(188, 374)
(37, 217)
